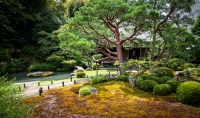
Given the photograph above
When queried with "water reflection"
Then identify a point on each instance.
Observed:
(22, 77)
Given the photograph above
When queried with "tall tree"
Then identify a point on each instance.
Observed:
(102, 24)
(162, 12)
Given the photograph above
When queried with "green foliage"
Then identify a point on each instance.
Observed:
(99, 79)
(41, 67)
(80, 74)
(122, 78)
(166, 78)
(85, 90)
(80, 70)
(157, 79)
(141, 66)
(11, 104)
(95, 66)
(174, 84)
(196, 27)
(152, 77)
(189, 93)
(192, 72)
(162, 71)
(162, 89)
(146, 85)
(138, 79)
(69, 64)
(176, 64)
(188, 65)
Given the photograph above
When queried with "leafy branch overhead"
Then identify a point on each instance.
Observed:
(99, 25)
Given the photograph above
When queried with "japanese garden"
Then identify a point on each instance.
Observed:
(100, 58)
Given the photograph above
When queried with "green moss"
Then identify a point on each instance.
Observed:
(162, 89)
(189, 93)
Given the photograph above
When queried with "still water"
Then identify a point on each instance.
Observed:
(22, 77)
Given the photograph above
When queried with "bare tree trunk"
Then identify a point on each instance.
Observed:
(119, 56)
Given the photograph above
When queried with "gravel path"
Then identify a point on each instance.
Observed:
(32, 90)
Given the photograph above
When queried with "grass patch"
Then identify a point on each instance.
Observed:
(114, 99)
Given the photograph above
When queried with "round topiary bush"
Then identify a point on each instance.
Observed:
(162, 89)
(85, 90)
(157, 79)
(188, 65)
(162, 71)
(174, 84)
(146, 85)
(80, 74)
(166, 78)
(122, 78)
(176, 64)
(189, 93)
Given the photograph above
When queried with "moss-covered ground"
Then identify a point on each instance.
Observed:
(114, 99)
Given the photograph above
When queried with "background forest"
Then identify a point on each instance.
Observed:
(28, 33)
(29, 36)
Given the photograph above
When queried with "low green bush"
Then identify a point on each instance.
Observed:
(122, 78)
(146, 85)
(166, 78)
(157, 79)
(80, 74)
(192, 71)
(189, 93)
(138, 79)
(80, 70)
(127, 73)
(163, 71)
(174, 84)
(176, 64)
(85, 90)
(99, 79)
(162, 89)
(41, 67)
(188, 65)
(95, 66)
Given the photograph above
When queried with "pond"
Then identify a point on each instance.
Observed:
(22, 77)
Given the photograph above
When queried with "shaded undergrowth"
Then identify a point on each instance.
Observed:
(114, 99)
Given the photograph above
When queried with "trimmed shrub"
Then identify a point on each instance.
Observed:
(176, 64)
(162, 71)
(188, 65)
(174, 84)
(138, 79)
(166, 78)
(157, 79)
(80, 70)
(80, 74)
(189, 93)
(99, 79)
(192, 71)
(95, 66)
(162, 89)
(146, 85)
(85, 90)
(122, 78)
